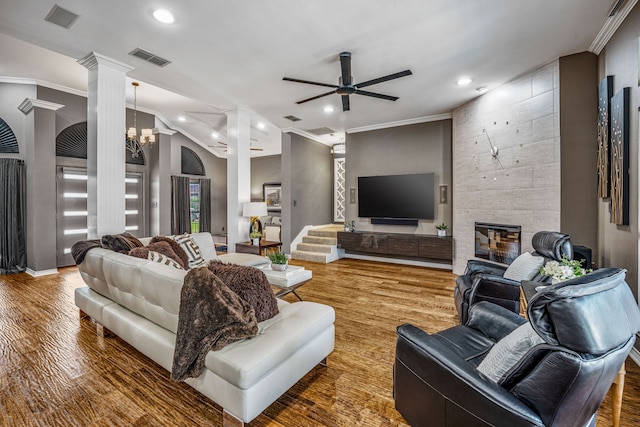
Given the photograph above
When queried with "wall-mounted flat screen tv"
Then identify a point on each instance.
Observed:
(396, 196)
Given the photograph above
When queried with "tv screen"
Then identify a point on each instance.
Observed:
(396, 196)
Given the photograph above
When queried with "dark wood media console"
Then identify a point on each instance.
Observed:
(419, 247)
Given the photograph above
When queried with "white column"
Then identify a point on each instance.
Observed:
(238, 175)
(106, 124)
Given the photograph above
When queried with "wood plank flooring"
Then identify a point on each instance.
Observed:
(54, 370)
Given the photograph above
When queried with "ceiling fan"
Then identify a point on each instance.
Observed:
(347, 87)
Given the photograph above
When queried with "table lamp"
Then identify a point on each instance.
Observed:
(253, 210)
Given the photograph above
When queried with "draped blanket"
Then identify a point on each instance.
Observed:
(210, 316)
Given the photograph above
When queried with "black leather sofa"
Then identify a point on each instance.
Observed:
(483, 281)
(587, 327)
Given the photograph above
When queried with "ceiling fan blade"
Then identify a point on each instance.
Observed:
(256, 149)
(345, 64)
(376, 95)
(345, 103)
(289, 79)
(315, 97)
(385, 78)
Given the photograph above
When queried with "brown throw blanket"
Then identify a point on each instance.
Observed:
(211, 316)
(80, 249)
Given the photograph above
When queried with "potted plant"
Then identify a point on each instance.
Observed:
(442, 229)
(278, 260)
(255, 237)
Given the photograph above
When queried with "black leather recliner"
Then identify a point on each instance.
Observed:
(587, 325)
(483, 281)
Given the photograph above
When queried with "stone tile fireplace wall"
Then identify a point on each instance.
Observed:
(521, 118)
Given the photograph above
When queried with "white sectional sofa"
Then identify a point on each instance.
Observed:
(139, 300)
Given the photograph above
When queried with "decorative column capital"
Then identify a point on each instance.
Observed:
(93, 59)
(30, 103)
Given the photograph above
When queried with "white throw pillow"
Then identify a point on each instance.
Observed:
(163, 259)
(192, 250)
(525, 267)
(507, 352)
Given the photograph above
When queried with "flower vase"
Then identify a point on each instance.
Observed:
(256, 241)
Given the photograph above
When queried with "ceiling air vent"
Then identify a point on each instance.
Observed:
(321, 131)
(149, 57)
(292, 118)
(61, 16)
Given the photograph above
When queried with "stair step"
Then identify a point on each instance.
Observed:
(319, 232)
(310, 247)
(309, 256)
(331, 241)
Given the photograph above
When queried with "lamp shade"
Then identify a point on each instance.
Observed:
(254, 209)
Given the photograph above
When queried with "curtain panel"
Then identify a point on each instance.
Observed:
(13, 254)
(205, 204)
(180, 212)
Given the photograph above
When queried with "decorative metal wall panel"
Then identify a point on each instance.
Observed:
(339, 197)
(605, 90)
(620, 157)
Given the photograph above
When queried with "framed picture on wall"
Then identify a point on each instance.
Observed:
(273, 196)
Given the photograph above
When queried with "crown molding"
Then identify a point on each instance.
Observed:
(610, 27)
(29, 104)
(434, 118)
(34, 82)
(304, 134)
(93, 59)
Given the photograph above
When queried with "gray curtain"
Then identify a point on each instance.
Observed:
(180, 212)
(205, 204)
(13, 254)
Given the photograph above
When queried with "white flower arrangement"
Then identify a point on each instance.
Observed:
(564, 270)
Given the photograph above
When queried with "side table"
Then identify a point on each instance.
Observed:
(249, 248)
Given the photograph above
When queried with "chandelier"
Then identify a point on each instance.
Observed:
(136, 144)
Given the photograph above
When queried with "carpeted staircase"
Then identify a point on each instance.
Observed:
(319, 245)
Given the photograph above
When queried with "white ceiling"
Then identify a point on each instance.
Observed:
(229, 54)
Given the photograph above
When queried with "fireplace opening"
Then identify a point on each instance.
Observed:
(497, 242)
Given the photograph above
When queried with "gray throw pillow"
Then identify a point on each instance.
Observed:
(507, 352)
(525, 267)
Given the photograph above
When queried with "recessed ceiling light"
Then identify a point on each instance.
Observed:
(463, 81)
(164, 16)
(182, 119)
(261, 125)
(214, 134)
(329, 109)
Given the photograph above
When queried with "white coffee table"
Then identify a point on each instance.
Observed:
(287, 281)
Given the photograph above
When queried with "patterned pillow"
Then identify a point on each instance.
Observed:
(525, 267)
(191, 249)
(507, 352)
(163, 259)
(175, 246)
(163, 248)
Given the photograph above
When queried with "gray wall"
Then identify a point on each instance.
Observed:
(418, 148)
(618, 245)
(578, 125)
(266, 169)
(307, 185)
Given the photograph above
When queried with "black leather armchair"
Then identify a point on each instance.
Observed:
(483, 281)
(587, 327)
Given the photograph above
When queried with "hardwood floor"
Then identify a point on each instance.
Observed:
(55, 371)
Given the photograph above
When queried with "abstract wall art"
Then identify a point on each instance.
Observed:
(605, 90)
(620, 157)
